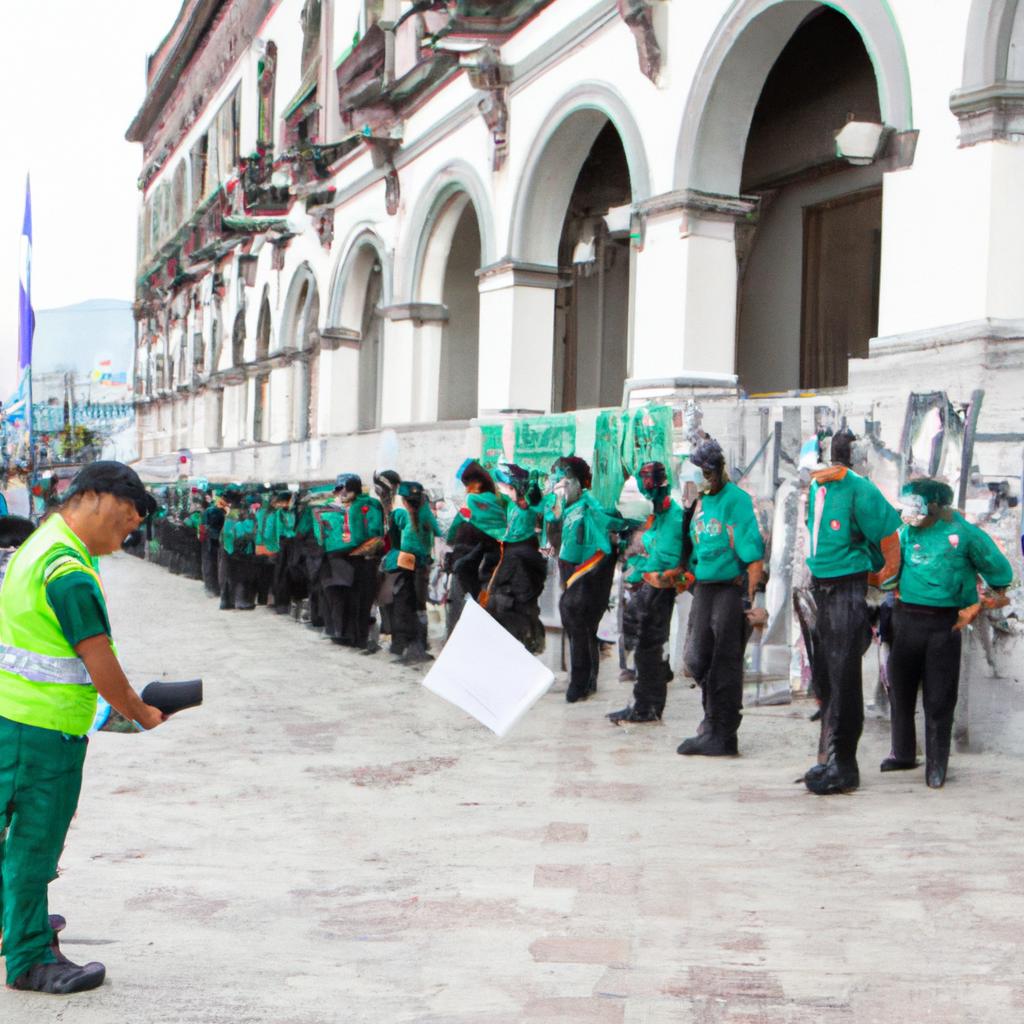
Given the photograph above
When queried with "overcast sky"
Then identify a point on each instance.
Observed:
(71, 80)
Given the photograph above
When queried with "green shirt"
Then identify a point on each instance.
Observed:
(487, 513)
(940, 564)
(522, 523)
(78, 603)
(416, 540)
(725, 535)
(847, 520)
(662, 541)
(585, 530)
(238, 534)
(345, 528)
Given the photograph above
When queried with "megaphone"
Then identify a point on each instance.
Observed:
(168, 697)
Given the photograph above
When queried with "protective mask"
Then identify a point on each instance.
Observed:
(913, 510)
(568, 490)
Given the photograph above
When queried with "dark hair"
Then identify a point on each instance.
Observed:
(14, 531)
(474, 473)
(708, 455)
(842, 448)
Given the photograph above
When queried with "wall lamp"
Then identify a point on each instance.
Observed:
(860, 142)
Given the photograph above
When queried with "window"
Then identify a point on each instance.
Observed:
(199, 153)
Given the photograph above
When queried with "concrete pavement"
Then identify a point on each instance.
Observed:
(325, 841)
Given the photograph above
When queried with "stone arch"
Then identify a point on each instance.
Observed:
(733, 69)
(990, 101)
(554, 161)
(348, 288)
(300, 335)
(454, 178)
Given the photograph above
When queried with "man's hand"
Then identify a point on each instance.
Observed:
(757, 617)
(966, 616)
(150, 717)
(112, 684)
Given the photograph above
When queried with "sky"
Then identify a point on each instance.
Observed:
(72, 78)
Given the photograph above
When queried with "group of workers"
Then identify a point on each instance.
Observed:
(352, 551)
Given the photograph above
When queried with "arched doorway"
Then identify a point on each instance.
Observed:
(592, 311)
(261, 399)
(810, 269)
(573, 214)
(302, 334)
(776, 84)
(448, 281)
(361, 288)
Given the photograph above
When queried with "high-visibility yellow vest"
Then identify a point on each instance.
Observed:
(42, 681)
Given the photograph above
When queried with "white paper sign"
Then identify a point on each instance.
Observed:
(487, 673)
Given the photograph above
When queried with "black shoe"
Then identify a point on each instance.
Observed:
(637, 716)
(935, 776)
(370, 648)
(834, 777)
(708, 744)
(627, 675)
(894, 764)
(61, 978)
(816, 717)
(576, 694)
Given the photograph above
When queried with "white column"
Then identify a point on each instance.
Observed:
(684, 310)
(517, 325)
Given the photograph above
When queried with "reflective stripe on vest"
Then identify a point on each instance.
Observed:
(44, 668)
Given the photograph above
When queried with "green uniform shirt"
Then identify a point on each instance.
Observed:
(416, 540)
(78, 603)
(487, 513)
(341, 528)
(585, 530)
(522, 523)
(725, 535)
(847, 519)
(238, 534)
(662, 542)
(940, 564)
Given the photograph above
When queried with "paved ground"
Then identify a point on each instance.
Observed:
(325, 841)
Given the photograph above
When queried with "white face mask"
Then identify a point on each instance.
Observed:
(913, 510)
(568, 490)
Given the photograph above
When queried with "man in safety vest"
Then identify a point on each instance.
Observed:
(56, 653)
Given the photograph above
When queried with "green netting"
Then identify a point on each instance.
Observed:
(542, 439)
(606, 464)
(490, 444)
(647, 437)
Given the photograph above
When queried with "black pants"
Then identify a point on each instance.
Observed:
(289, 583)
(364, 594)
(210, 552)
(408, 630)
(236, 581)
(515, 590)
(581, 606)
(842, 634)
(263, 577)
(714, 653)
(651, 615)
(926, 654)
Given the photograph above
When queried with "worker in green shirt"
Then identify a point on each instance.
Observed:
(941, 557)
(213, 522)
(236, 550)
(726, 560)
(654, 574)
(514, 589)
(411, 540)
(56, 654)
(351, 533)
(847, 519)
(278, 539)
(586, 563)
(475, 538)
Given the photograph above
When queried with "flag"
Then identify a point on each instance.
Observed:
(487, 673)
(26, 317)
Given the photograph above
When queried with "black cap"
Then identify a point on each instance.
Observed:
(708, 455)
(113, 478)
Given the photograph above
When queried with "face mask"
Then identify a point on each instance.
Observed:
(568, 490)
(913, 510)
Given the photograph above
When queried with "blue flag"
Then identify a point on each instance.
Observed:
(26, 317)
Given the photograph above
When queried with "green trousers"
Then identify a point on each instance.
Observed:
(40, 778)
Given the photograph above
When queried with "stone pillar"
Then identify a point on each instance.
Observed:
(684, 296)
(517, 325)
(412, 353)
(338, 397)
